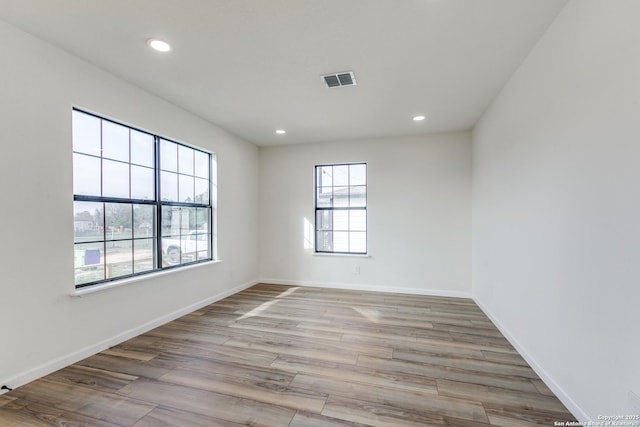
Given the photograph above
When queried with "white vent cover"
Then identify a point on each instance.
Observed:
(346, 78)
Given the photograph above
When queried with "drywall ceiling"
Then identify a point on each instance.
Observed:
(253, 66)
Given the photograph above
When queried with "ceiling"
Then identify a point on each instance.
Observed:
(254, 66)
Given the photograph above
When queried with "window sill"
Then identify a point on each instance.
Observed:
(328, 254)
(117, 283)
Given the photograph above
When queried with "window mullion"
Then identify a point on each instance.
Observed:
(158, 205)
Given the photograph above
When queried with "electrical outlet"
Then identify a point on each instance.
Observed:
(634, 400)
(356, 269)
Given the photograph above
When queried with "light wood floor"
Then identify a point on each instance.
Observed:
(288, 356)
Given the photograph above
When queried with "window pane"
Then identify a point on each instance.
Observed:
(142, 183)
(202, 220)
(324, 197)
(186, 189)
(143, 221)
(202, 164)
(142, 148)
(358, 196)
(115, 179)
(358, 220)
(341, 175)
(87, 221)
(175, 231)
(341, 220)
(341, 241)
(358, 174)
(324, 176)
(118, 221)
(89, 259)
(324, 220)
(86, 133)
(177, 220)
(324, 241)
(115, 141)
(171, 217)
(143, 255)
(358, 242)
(185, 235)
(168, 156)
(188, 220)
(171, 253)
(86, 175)
(185, 157)
(119, 259)
(169, 187)
(341, 197)
(202, 191)
(204, 251)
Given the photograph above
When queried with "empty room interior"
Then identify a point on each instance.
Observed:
(320, 213)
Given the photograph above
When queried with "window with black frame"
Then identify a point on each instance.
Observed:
(341, 208)
(142, 203)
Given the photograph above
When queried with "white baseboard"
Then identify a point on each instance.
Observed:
(76, 356)
(359, 287)
(566, 400)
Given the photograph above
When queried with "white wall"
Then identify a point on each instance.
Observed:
(43, 327)
(556, 202)
(419, 215)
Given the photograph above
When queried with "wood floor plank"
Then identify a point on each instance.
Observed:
(109, 407)
(288, 330)
(498, 396)
(302, 419)
(513, 416)
(364, 330)
(409, 400)
(542, 387)
(275, 355)
(469, 364)
(5, 400)
(371, 414)
(506, 358)
(187, 333)
(480, 346)
(124, 365)
(171, 417)
(265, 392)
(36, 415)
(355, 374)
(241, 373)
(438, 349)
(225, 352)
(215, 405)
(130, 353)
(95, 379)
(444, 372)
(276, 348)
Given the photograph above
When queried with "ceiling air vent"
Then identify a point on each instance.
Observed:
(340, 79)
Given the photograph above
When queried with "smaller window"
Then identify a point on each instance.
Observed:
(341, 208)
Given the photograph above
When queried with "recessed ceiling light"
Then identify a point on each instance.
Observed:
(418, 118)
(281, 131)
(159, 45)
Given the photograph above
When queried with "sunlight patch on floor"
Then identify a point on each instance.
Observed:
(368, 313)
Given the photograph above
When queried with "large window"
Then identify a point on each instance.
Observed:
(341, 208)
(141, 202)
